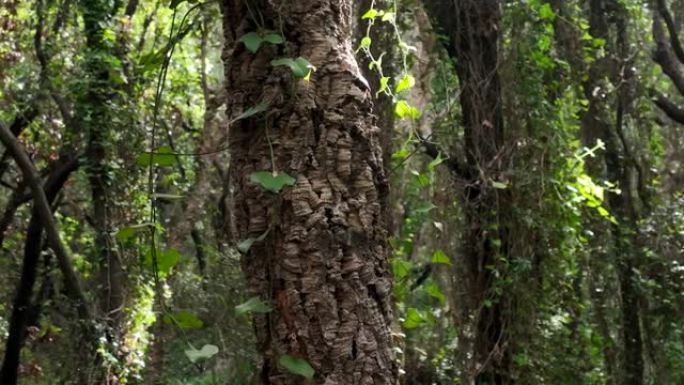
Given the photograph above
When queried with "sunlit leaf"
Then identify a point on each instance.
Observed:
(404, 110)
(406, 82)
(365, 42)
(370, 14)
(438, 257)
(414, 318)
(184, 320)
(388, 16)
(401, 268)
(162, 156)
(383, 85)
(166, 260)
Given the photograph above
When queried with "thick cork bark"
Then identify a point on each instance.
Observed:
(323, 264)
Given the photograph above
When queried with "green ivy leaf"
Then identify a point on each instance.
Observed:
(300, 67)
(383, 85)
(259, 108)
(401, 154)
(271, 181)
(414, 318)
(404, 110)
(162, 157)
(274, 38)
(425, 207)
(438, 257)
(365, 42)
(253, 305)
(406, 82)
(166, 260)
(435, 162)
(546, 13)
(297, 366)
(388, 16)
(126, 233)
(206, 352)
(252, 41)
(184, 320)
(370, 14)
(401, 268)
(245, 245)
(433, 291)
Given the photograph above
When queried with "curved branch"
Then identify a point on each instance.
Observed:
(671, 29)
(672, 110)
(72, 281)
(665, 58)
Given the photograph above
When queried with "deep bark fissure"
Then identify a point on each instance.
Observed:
(323, 264)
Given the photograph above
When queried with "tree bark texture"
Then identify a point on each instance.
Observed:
(473, 28)
(606, 122)
(323, 261)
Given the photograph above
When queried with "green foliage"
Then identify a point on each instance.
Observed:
(253, 305)
(254, 40)
(272, 181)
(300, 67)
(207, 351)
(296, 366)
(162, 156)
(184, 319)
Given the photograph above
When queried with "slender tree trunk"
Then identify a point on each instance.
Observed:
(473, 30)
(607, 122)
(96, 120)
(32, 251)
(322, 258)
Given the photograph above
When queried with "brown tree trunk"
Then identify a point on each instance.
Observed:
(473, 30)
(607, 122)
(322, 263)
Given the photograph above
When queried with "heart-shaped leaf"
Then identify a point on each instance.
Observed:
(253, 305)
(162, 156)
(272, 181)
(184, 320)
(252, 41)
(300, 67)
(165, 260)
(206, 352)
(127, 233)
(297, 366)
(406, 82)
(259, 108)
(438, 257)
(404, 110)
(274, 38)
(370, 14)
(414, 318)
